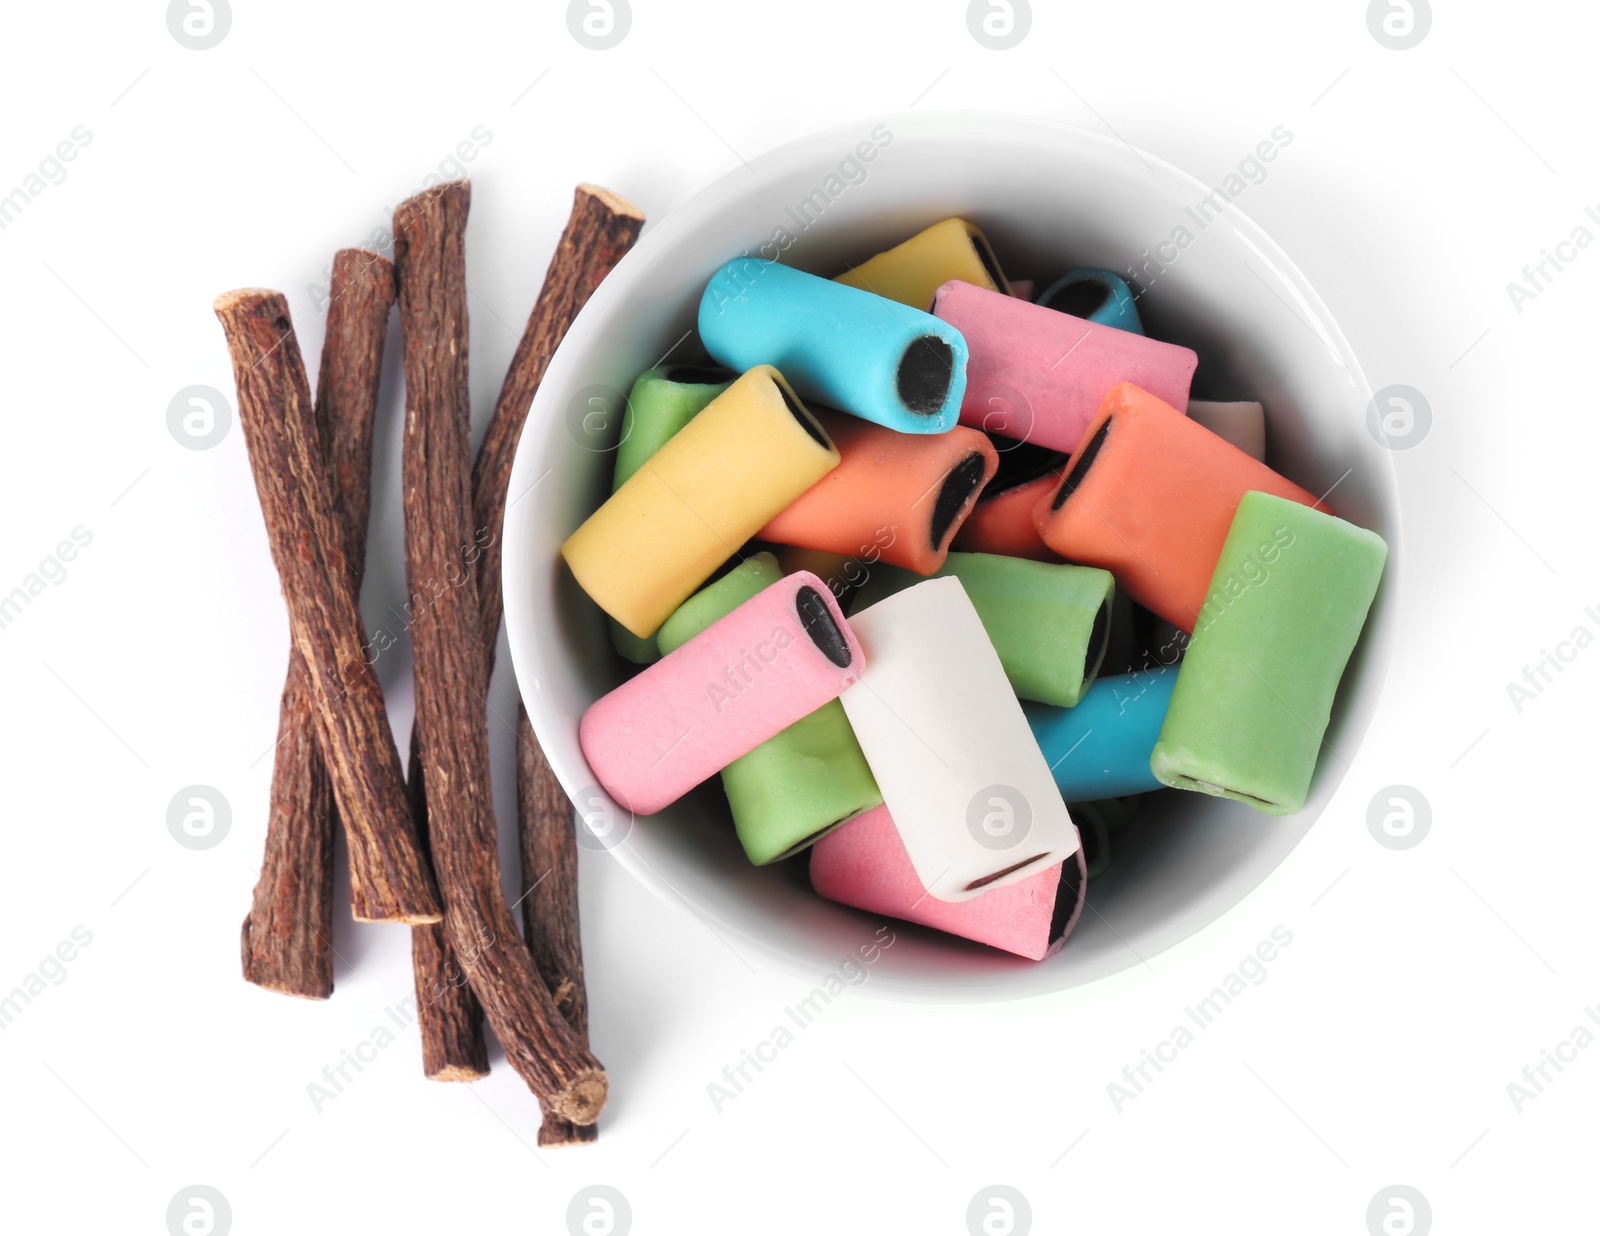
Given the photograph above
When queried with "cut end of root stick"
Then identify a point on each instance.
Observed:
(421, 203)
(366, 271)
(283, 989)
(458, 1073)
(584, 1100)
(362, 258)
(416, 907)
(271, 973)
(613, 201)
(229, 301)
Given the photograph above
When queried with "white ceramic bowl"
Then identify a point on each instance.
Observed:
(1049, 196)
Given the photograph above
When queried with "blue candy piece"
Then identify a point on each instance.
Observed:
(1098, 295)
(874, 358)
(1101, 748)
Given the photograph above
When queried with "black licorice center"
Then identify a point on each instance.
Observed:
(1021, 463)
(958, 486)
(1183, 782)
(991, 265)
(805, 418)
(1066, 897)
(812, 838)
(1081, 299)
(923, 379)
(817, 619)
(1099, 637)
(697, 375)
(985, 881)
(1081, 468)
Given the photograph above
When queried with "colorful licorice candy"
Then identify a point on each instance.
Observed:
(775, 659)
(913, 270)
(1001, 521)
(1149, 494)
(949, 746)
(663, 400)
(805, 779)
(640, 649)
(754, 449)
(1096, 296)
(1048, 621)
(865, 864)
(1241, 422)
(884, 362)
(905, 494)
(797, 786)
(1283, 613)
(1101, 748)
(1040, 375)
(1022, 289)
(741, 582)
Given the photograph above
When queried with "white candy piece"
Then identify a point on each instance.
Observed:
(960, 771)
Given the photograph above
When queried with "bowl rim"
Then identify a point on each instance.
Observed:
(575, 778)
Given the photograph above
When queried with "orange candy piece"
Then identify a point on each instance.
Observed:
(1002, 523)
(894, 496)
(1149, 495)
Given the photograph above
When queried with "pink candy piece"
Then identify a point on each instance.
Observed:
(1040, 375)
(777, 658)
(864, 864)
(1022, 289)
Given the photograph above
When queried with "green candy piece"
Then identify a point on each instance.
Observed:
(718, 599)
(1048, 620)
(641, 650)
(661, 402)
(800, 783)
(1286, 606)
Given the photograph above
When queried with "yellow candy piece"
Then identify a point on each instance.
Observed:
(911, 272)
(687, 510)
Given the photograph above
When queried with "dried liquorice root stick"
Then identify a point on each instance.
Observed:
(389, 880)
(451, 665)
(286, 941)
(600, 230)
(599, 233)
(287, 938)
(448, 1014)
(550, 902)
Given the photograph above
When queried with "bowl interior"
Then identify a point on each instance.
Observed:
(1049, 197)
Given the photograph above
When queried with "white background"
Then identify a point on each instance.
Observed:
(1419, 983)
